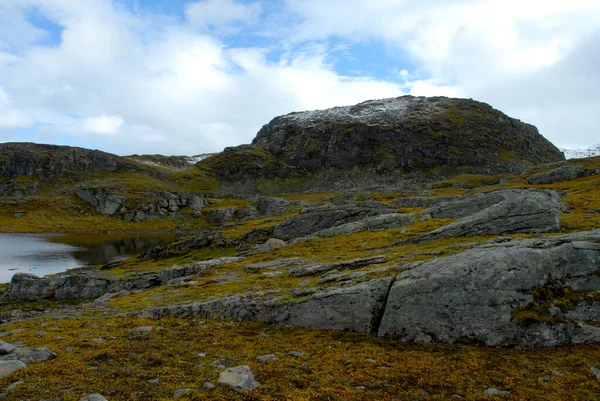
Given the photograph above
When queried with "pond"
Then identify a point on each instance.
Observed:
(43, 254)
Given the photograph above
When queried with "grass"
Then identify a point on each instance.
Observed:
(334, 366)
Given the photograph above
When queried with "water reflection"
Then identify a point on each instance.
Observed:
(48, 254)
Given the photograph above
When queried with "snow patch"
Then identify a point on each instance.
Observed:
(582, 153)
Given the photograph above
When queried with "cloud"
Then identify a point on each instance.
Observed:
(144, 82)
(10, 118)
(220, 13)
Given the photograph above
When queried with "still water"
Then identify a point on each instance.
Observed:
(47, 254)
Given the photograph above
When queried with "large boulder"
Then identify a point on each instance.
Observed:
(381, 222)
(561, 174)
(419, 201)
(312, 220)
(272, 206)
(470, 205)
(102, 199)
(531, 212)
(407, 133)
(476, 296)
(354, 308)
(195, 268)
(10, 367)
(30, 287)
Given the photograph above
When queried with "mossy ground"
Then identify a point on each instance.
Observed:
(334, 366)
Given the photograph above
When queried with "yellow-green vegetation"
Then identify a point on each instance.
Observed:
(470, 181)
(544, 298)
(333, 366)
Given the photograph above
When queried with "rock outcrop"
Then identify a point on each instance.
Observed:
(105, 202)
(407, 133)
(312, 220)
(475, 296)
(520, 212)
(355, 308)
(561, 174)
(50, 161)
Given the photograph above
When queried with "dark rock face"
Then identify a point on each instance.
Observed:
(472, 296)
(50, 161)
(407, 133)
(102, 199)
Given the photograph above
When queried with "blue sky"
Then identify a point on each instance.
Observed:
(189, 77)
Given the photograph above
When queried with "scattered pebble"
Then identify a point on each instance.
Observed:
(266, 358)
(492, 392)
(371, 360)
(99, 340)
(94, 397)
(182, 391)
(556, 373)
(6, 348)
(208, 385)
(297, 353)
(154, 381)
(546, 379)
(596, 372)
(223, 363)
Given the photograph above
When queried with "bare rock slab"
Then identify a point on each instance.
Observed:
(10, 367)
(472, 295)
(240, 378)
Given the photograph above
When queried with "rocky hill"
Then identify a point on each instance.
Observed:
(51, 161)
(406, 133)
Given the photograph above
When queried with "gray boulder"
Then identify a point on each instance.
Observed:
(312, 220)
(239, 378)
(272, 206)
(561, 174)
(220, 216)
(354, 308)
(381, 222)
(270, 245)
(30, 287)
(471, 296)
(275, 264)
(6, 348)
(195, 268)
(537, 212)
(102, 199)
(29, 355)
(469, 205)
(10, 367)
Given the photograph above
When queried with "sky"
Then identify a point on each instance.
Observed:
(191, 77)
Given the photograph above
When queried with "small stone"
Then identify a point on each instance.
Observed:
(223, 363)
(201, 354)
(4, 334)
(154, 381)
(40, 333)
(371, 360)
(556, 373)
(545, 379)
(239, 378)
(493, 392)
(94, 397)
(182, 391)
(6, 348)
(144, 329)
(13, 386)
(99, 340)
(266, 358)
(596, 372)
(197, 215)
(297, 353)
(208, 385)
(69, 349)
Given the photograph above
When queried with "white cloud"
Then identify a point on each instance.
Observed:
(147, 83)
(11, 118)
(211, 13)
